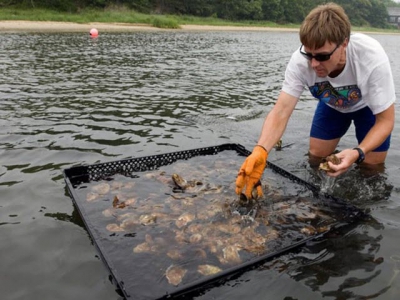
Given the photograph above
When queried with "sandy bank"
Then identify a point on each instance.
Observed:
(37, 26)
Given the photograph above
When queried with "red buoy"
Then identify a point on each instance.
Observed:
(94, 32)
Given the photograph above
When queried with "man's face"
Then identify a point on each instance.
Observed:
(336, 61)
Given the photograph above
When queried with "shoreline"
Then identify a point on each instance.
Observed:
(51, 26)
(21, 26)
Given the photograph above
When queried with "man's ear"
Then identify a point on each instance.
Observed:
(346, 42)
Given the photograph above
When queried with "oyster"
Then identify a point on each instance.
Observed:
(184, 184)
(229, 228)
(150, 245)
(130, 201)
(214, 246)
(194, 228)
(109, 212)
(175, 254)
(230, 255)
(175, 274)
(208, 270)
(278, 145)
(195, 238)
(311, 230)
(114, 227)
(184, 219)
(142, 248)
(147, 219)
(244, 201)
(129, 223)
(331, 158)
(102, 188)
(199, 254)
(180, 237)
(91, 197)
(117, 203)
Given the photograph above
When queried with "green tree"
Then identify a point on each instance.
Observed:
(294, 10)
(202, 8)
(239, 9)
(145, 6)
(360, 12)
(272, 10)
(357, 10)
(377, 16)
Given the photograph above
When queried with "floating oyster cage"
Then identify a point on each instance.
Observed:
(161, 243)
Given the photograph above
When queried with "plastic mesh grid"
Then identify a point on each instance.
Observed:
(126, 167)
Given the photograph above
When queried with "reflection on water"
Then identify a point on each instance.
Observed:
(74, 217)
(342, 254)
(66, 99)
(337, 266)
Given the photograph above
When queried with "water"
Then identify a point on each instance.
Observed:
(66, 100)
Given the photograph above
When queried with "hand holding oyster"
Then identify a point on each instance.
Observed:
(324, 165)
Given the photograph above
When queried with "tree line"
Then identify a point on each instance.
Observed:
(361, 12)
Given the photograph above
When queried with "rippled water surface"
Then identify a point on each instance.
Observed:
(67, 100)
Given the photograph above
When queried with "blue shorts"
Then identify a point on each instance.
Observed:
(329, 124)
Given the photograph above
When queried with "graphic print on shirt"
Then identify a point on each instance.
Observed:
(340, 97)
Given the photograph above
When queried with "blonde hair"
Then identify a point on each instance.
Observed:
(327, 22)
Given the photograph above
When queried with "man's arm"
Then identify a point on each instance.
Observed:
(384, 125)
(274, 125)
(276, 121)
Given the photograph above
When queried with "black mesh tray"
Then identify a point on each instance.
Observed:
(159, 241)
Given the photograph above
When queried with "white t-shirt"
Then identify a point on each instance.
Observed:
(366, 79)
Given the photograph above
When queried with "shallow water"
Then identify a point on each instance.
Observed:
(66, 100)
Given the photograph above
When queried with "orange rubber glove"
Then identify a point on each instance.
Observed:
(250, 172)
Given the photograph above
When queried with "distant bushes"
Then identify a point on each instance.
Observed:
(164, 22)
(361, 12)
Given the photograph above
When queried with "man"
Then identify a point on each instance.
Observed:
(351, 77)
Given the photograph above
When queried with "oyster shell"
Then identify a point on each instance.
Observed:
(117, 203)
(278, 145)
(244, 201)
(142, 248)
(311, 230)
(91, 196)
(331, 158)
(147, 219)
(109, 212)
(195, 238)
(186, 185)
(184, 219)
(207, 270)
(175, 254)
(102, 188)
(114, 227)
(231, 255)
(175, 274)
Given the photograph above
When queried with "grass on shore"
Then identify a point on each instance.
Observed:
(124, 15)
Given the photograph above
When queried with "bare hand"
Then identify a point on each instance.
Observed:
(347, 157)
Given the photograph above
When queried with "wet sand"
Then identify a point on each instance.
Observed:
(48, 26)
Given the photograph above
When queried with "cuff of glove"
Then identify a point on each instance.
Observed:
(262, 148)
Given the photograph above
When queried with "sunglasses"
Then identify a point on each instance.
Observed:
(318, 57)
